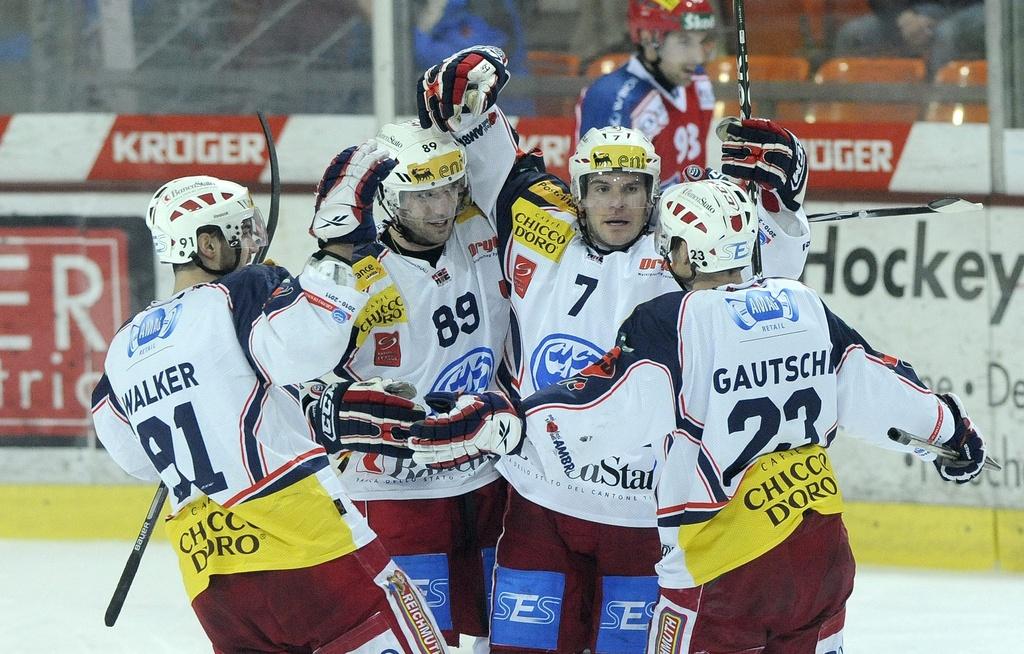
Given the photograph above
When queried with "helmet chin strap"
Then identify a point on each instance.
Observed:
(219, 273)
(684, 282)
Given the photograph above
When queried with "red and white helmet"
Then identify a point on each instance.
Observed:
(183, 206)
(662, 16)
(716, 218)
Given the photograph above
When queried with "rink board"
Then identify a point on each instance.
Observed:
(910, 535)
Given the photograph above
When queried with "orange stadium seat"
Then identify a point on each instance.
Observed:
(770, 68)
(862, 70)
(548, 63)
(960, 73)
(606, 64)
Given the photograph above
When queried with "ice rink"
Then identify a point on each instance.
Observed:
(54, 595)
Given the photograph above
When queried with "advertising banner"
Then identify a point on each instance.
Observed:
(67, 285)
(947, 295)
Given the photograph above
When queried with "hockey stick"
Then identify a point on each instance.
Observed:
(948, 455)
(945, 205)
(275, 185)
(743, 81)
(131, 567)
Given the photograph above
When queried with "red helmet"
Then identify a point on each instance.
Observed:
(662, 16)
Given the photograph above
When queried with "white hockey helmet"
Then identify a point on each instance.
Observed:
(427, 159)
(716, 218)
(619, 149)
(183, 206)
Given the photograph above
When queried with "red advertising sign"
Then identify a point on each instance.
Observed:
(841, 156)
(164, 147)
(63, 293)
(844, 156)
(554, 136)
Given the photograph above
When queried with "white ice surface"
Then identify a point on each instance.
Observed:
(53, 596)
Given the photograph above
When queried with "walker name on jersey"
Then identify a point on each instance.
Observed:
(163, 384)
(158, 324)
(561, 356)
(746, 376)
(540, 231)
(384, 309)
(470, 373)
(757, 307)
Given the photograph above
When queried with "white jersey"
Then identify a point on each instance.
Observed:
(440, 328)
(568, 301)
(200, 392)
(740, 390)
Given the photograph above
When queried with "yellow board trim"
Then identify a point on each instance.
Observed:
(914, 535)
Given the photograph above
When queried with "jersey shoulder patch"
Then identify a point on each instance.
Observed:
(367, 271)
(539, 229)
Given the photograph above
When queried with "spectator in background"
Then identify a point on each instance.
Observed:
(663, 90)
(938, 31)
(446, 26)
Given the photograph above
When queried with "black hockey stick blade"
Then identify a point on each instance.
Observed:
(275, 185)
(950, 455)
(132, 565)
(944, 205)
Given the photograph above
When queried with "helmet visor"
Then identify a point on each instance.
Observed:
(248, 233)
(614, 189)
(432, 205)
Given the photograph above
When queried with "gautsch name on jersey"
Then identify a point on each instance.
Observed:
(772, 371)
(166, 382)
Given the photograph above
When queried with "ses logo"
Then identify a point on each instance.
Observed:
(527, 608)
(627, 616)
(561, 356)
(470, 373)
(761, 306)
(156, 325)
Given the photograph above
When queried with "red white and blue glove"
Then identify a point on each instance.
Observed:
(345, 194)
(771, 156)
(367, 416)
(468, 427)
(466, 83)
(966, 440)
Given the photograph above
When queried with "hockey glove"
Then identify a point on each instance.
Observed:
(345, 194)
(762, 152)
(368, 416)
(471, 427)
(966, 440)
(466, 82)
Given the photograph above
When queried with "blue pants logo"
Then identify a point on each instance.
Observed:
(527, 608)
(627, 606)
(430, 574)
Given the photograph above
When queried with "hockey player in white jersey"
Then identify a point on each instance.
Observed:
(740, 386)
(437, 318)
(578, 258)
(199, 393)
